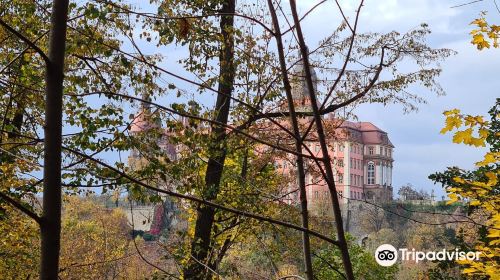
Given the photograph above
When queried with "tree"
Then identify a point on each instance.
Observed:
(478, 188)
(52, 190)
(25, 110)
(95, 243)
(19, 241)
(95, 240)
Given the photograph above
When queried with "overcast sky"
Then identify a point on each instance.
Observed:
(471, 80)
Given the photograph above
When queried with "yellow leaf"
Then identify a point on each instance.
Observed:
(451, 122)
(462, 136)
(475, 203)
(469, 270)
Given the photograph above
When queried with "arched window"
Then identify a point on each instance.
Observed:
(371, 173)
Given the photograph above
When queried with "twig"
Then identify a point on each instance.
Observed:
(22, 208)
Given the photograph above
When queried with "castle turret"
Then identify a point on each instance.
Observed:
(300, 90)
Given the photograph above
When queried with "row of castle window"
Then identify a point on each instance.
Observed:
(356, 164)
(356, 148)
(357, 195)
(339, 147)
(354, 194)
(356, 180)
(382, 151)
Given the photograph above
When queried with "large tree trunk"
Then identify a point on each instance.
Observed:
(306, 244)
(51, 219)
(342, 243)
(201, 243)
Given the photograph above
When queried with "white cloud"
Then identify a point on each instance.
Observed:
(414, 163)
(387, 15)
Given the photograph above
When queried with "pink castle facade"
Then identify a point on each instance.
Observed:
(361, 154)
(362, 157)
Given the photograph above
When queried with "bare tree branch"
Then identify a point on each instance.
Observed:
(21, 208)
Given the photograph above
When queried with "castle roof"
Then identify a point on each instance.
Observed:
(370, 133)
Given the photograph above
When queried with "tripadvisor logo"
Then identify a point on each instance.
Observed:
(387, 255)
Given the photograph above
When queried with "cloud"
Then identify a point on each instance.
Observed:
(387, 15)
(413, 162)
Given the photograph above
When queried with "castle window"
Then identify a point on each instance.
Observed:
(370, 150)
(341, 178)
(316, 194)
(371, 173)
(381, 150)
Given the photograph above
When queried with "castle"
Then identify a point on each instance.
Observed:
(362, 154)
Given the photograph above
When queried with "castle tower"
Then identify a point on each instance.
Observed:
(147, 123)
(146, 127)
(143, 122)
(300, 90)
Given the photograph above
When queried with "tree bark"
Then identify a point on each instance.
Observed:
(51, 219)
(324, 149)
(200, 246)
(306, 244)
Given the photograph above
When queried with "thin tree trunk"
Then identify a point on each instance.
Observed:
(322, 139)
(51, 219)
(201, 243)
(306, 244)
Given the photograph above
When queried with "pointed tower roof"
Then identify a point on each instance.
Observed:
(298, 81)
(300, 90)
